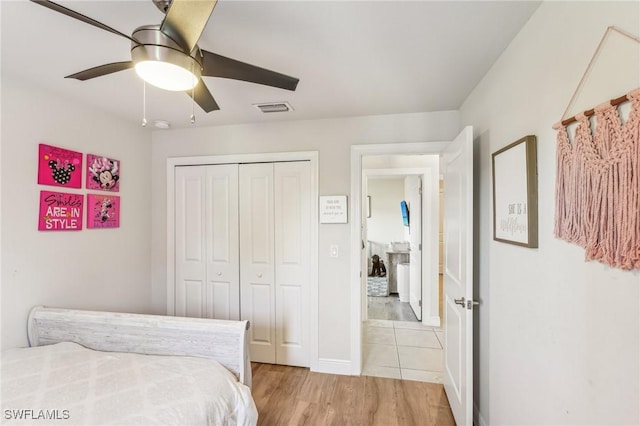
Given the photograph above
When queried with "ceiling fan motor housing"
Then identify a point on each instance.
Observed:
(153, 45)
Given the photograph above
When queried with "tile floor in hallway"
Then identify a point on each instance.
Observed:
(389, 308)
(403, 350)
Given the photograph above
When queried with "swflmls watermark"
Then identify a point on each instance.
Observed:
(29, 414)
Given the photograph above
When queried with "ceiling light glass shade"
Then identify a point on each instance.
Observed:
(165, 67)
(166, 75)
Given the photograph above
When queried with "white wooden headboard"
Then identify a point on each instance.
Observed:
(224, 341)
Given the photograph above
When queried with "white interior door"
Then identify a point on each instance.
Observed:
(458, 276)
(206, 225)
(190, 251)
(292, 199)
(257, 272)
(222, 288)
(414, 195)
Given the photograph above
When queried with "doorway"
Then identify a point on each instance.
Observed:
(358, 204)
(400, 230)
(387, 236)
(457, 159)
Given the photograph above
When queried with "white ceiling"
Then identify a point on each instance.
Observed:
(353, 58)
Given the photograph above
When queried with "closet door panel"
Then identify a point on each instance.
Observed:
(217, 303)
(292, 227)
(193, 303)
(222, 250)
(257, 258)
(206, 225)
(190, 240)
(260, 315)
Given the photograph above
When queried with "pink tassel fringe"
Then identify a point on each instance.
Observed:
(598, 186)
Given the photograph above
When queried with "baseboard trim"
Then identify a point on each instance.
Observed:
(477, 416)
(334, 366)
(431, 321)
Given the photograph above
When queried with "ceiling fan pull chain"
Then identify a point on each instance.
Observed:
(193, 105)
(144, 103)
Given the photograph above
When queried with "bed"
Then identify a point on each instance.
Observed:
(91, 368)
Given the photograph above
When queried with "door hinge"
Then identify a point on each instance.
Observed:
(420, 303)
(420, 247)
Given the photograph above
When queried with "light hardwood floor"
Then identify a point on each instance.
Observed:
(295, 396)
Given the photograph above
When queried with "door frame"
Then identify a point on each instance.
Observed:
(357, 201)
(271, 157)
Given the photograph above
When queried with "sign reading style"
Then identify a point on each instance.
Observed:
(60, 211)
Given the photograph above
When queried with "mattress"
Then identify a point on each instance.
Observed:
(68, 384)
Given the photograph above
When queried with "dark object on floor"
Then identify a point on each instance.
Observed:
(378, 269)
(375, 270)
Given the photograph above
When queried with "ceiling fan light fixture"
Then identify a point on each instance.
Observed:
(166, 75)
(165, 67)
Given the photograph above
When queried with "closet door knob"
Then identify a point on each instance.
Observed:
(219, 273)
(259, 274)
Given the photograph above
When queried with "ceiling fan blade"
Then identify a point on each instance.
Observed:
(185, 21)
(101, 70)
(203, 97)
(73, 14)
(220, 66)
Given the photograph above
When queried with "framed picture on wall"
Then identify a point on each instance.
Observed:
(103, 173)
(60, 211)
(333, 209)
(103, 211)
(515, 193)
(59, 166)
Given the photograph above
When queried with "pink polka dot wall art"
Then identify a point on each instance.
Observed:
(59, 166)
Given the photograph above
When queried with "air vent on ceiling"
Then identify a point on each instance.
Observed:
(274, 107)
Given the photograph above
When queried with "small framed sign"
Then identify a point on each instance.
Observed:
(333, 209)
(515, 193)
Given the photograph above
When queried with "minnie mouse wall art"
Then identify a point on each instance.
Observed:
(59, 166)
(103, 173)
(103, 211)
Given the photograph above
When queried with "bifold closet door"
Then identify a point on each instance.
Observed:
(292, 261)
(207, 281)
(257, 272)
(275, 259)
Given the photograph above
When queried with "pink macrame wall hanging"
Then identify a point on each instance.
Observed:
(598, 183)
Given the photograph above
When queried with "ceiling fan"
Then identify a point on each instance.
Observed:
(168, 56)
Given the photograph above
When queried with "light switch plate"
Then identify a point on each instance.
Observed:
(333, 250)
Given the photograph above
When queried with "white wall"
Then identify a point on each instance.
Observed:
(332, 139)
(559, 339)
(105, 269)
(385, 224)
